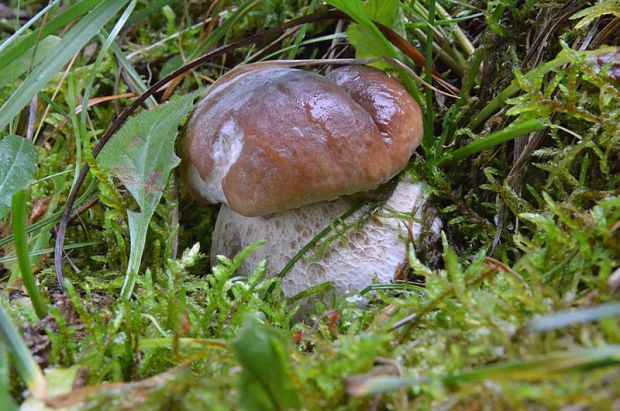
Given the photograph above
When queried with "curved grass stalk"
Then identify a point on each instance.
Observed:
(495, 139)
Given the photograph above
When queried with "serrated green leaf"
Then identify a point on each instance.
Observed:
(18, 161)
(351, 7)
(366, 44)
(364, 35)
(265, 383)
(383, 11)
(141, 155)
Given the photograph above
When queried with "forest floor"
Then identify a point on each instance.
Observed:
(513, 306)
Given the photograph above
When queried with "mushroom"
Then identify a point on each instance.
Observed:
(284, 149)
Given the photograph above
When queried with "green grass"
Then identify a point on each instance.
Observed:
(517, 309)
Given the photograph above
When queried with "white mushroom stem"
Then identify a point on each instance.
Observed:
(376, 251)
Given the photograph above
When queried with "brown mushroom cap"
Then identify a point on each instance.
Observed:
(273, 139)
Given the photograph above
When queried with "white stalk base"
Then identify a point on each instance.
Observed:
(375, 252)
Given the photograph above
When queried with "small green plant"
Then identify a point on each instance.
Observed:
(145, 171)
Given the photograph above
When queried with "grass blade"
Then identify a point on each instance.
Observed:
(73, 41)
(42, 251)
(25, 364)
(222, 30)
(428, 76)
(543, 366)
(53, 218)
(5, 381)
(134, 76)
(104, 49)
(19, 47)
(495, 139)
(29, 23)
(21, 250)
(535, 369)
(586, 315)
(21, 64)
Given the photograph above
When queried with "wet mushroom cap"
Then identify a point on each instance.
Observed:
(272, 139)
